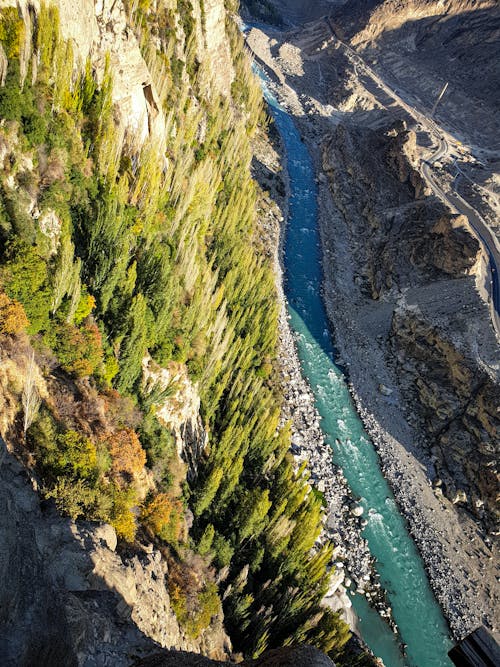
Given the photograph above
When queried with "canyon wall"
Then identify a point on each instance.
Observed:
(423, 44)
(411, 251)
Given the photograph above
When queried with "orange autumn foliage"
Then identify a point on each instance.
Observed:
(13, 319)
(126, 451)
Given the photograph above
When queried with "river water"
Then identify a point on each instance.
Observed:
(421, 624)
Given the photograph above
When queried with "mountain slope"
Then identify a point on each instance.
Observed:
(422, 44)
(138, 309)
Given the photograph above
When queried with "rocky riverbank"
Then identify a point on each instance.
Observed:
(344, 521)
(459, 559)
(353, 563)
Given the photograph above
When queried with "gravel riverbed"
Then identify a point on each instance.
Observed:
(352, 561)
(461, 566)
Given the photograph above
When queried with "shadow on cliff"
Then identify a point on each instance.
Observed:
(54, 610)
(459, 48)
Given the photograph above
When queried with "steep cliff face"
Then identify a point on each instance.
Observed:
(423, 44)
(215, 47)
(109, 606)
(457, 403)
(100, 31)
(407, 237)
(179, 410)
(67, 596)
(134, 273)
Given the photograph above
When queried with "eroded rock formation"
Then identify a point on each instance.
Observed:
(407, 237)
(411, 249)
(457, 402)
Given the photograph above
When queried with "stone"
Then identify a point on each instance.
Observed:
(459, 497)
(107, 534)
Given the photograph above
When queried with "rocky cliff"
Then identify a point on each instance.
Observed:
(457, 403)
(422, 44)
(408, 238)
(101, 32)
(69, 598)
(411, 250)
(77, 600)
(139, 327)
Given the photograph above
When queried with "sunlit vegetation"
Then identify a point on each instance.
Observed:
(13, 318)
(193, 594)
(157, 250)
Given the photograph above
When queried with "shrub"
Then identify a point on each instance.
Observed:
(35, 126)
(193, 596)
(13, 319)
(86, 305)
(79, 349)
(163, 516)
(77, 498)
(10, 98)
(75, 455)
(12, 32)
(122, 515)
(109, 369)
(24, 275)
(128, 457)
(157, 441)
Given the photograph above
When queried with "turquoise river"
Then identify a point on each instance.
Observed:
(421, 624)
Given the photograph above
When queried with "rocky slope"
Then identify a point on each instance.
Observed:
(69, 598)
(77, 600)
(100, 31)
(416, 267)
(457, 404)
(408, 238)
(404, 288)
(422, 44)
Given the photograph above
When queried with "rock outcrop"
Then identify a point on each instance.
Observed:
(101, 31)
(297, 656)
(216, 48)
(457, 403)
(408, 238)
(68, 598)
(179, 410)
